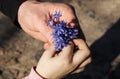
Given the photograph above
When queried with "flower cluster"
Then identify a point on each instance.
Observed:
(62, 33)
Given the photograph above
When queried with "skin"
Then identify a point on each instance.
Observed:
(33, 17)
(54, 65)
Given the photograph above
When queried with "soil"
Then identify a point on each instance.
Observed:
(100, 22)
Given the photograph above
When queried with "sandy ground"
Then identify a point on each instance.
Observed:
(100, 22)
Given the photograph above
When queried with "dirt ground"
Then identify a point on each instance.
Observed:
(100, 22)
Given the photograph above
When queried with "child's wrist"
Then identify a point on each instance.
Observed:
(38, 72)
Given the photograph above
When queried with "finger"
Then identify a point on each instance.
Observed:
(80, 43)
(80, 56)
(73, 23)
(46, 45)
(82, 66)
(69, 20)
(82, 53)
(67, 52)
(78, 70)
(86, 62)
(68, 17)
(50, 52)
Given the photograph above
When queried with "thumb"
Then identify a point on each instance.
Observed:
(46, 45)
(50, 52)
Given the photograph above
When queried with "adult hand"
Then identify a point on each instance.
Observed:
(54, 65)
(33, 16)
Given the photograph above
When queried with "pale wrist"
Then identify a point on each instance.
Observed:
(48, 74)
(38, 72)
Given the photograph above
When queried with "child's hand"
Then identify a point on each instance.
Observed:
(53, 65)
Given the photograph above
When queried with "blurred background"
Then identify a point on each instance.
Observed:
(100, 22)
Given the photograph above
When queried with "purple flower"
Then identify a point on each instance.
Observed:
(61, 33)
(56, 15)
